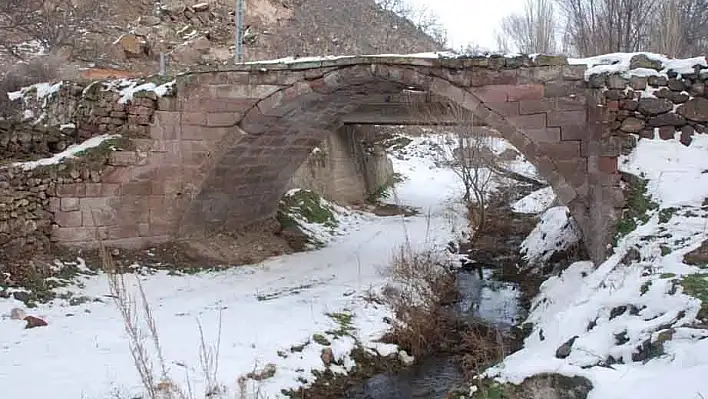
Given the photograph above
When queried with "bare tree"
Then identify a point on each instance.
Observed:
(680, 28)
(605, 26)
(425, 20)
(532, 31)
(50, 23)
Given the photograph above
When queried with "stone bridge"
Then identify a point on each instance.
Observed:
(222, 148)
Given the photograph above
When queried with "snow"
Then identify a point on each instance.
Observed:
(536, 202)
(555, 232)
(580, 301)
(620, 63)
(42, 91)
(70, 152)
(127, 88)
(264, 309)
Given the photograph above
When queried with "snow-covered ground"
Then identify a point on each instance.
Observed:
(636, 299)
(261, 311)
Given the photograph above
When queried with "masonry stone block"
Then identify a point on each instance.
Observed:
(534, 121)
(566, 118)
(544, 135)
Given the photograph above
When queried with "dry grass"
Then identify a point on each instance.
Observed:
(144, 340)
(420, 291)
(36, 70)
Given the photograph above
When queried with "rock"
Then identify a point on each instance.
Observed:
(667, 119)
(133, 46)
(687, 135)
(638, 82)
(597, 81)
(616, 81)
(21, 296)
(201, 7)
(149, 20)
(676, 85)
(632, 125)
(549, 60)
(563, 351)
(191, 52)
(266, 372)
(654, 106)
(327, 356)
(698, 257)
(657, 81)
(17, 314)
(173, 7)
(695, 109)
(33, 322)
(553, 386)
(642, 61)
(406, 359)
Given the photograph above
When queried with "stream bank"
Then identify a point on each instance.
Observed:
(481, 321)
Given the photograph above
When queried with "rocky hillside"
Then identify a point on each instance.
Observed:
(131, 34)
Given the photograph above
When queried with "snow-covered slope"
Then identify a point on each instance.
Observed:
(631, 326)
(261, 312)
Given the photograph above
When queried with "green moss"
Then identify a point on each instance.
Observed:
(665, 250)
(666, 214)
(308, 206)
(696, 285)
(667, 275)
(645, 287)
(638, 208)
(383, 191)
(321, 339)
(345, 326)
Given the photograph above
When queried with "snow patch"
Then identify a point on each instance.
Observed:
(555, 232)
(70, 152)
(620, 63)
(536, 202)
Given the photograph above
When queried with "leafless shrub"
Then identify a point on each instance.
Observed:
(466, 150)
(157, 385)
(531, 31)
(421, 289)
(36, 70)
(483, 346)
(51, 23)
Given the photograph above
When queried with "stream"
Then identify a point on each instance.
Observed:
(433, 377)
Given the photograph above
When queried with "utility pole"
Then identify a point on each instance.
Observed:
(239, 30)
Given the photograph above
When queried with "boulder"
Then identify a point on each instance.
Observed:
(632, 125)
(695, 109)
(173, 7)
(191, 53)
(642, 61)
(133, 46)
(654, 106)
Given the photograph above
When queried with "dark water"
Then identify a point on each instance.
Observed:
(434, 377)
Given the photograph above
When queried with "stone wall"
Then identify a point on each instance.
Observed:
(36, 203)
(342, 169)
(655, 106)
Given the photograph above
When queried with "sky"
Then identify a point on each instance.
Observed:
(471, 21)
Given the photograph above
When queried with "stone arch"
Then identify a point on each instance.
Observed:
(296, 108)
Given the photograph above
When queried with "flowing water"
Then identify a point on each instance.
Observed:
(432, 378)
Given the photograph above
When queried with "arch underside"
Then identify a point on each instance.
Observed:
(249, 178)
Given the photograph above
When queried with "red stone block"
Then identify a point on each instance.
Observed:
(565, 118)
(544, 135)
(68, 219)
(608, 164)
(505, 108)
(492, 93)
(535, 121)
(525, 92)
